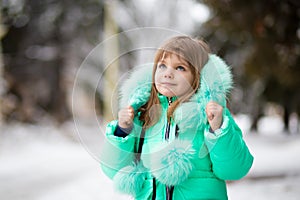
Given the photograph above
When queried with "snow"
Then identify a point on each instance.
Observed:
(275, 173)
(46, 162)
(43, 162)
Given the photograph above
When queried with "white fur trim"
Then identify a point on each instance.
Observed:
(135, 91)
(173, 164)
(130, 179)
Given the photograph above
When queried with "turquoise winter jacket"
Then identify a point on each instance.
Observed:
(195, 163)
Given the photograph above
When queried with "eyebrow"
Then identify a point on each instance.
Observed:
(182, 60)
(176, 64)
(183, 63)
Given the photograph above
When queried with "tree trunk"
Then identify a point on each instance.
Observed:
(111, 63)
(2, 82)
(286, 118)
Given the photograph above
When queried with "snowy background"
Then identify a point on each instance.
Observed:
(46, 162)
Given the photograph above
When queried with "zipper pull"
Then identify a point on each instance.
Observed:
(167, 133)
(169, 100)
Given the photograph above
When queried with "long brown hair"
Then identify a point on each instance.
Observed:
(195, 53)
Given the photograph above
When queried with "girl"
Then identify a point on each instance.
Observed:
(174, 137)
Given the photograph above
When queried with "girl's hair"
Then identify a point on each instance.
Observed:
(195, 53)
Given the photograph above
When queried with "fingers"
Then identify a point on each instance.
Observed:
(126, 116)
(129, 115)
(210, 115)
(214, 113)
(130, 111)
(213, 109)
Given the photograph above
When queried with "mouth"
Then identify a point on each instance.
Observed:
(167, 84)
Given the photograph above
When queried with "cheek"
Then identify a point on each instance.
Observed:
(186, 83)
(186, 80)
(155, 77)
(190, 78)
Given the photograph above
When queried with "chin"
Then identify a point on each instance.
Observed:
(167, 93)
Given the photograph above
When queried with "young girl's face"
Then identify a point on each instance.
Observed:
(173, 76)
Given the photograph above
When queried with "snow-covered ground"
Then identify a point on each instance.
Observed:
(45, 162)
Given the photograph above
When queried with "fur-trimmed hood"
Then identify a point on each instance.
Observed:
(215, 84)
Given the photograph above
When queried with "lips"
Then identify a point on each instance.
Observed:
(167, 84)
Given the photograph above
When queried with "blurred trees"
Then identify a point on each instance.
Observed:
(47, 40)
(262, 40)
(42, 41)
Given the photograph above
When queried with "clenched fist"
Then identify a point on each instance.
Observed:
(125, 117)
(214, 113)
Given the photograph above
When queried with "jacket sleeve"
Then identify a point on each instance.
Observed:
(230, 156)
(117, 152)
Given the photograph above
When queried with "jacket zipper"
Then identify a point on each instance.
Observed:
(169, 190)
(167, 133)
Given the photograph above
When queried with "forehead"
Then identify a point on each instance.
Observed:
(170, 55)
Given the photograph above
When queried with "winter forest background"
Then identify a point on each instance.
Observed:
(54, 102)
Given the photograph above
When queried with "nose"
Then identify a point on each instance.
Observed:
(168, 74)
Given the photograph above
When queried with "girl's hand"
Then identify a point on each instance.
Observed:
(214, 114)
(125, 117)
